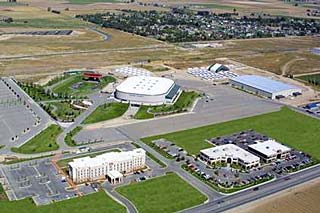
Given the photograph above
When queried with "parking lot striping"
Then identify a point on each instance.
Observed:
(48, 187)
(6, 124)
(35, 168)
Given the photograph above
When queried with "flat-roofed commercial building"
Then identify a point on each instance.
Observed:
(265, 87)
(90, 169)
(230, 153)
(270, 150)
(146, 90)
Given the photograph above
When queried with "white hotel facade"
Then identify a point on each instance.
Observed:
(90, 169)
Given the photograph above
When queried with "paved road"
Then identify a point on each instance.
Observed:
(105, 36)
(176, 167)
(249, 195)
(97, 100)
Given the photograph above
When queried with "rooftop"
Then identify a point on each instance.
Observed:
(230, 150)
(269, 147)
(146, 85)
(106, 158)
(263, 83)
(114, 174)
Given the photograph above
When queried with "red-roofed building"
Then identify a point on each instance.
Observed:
(92, 75)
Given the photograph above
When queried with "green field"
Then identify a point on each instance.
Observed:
(286, 126)
(84, 88)
(168, 193)
(43, 142)
(184, 101)
(96, 202)
(106, 112)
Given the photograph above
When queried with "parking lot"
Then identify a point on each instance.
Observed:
(312, 108)
(40, 180)
(241, 139)
(20, 117)
(229, 176)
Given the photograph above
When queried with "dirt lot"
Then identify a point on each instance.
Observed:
(304, 198)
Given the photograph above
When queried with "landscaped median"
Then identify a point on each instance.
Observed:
(69, 137)
(106, 112)
(45, 141)
(184, 102)
(96, 202)
(168, 193)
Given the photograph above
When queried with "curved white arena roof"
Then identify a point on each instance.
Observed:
(146, 85)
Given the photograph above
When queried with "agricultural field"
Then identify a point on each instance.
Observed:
(45, 141)
(77, 86)
(156, 195)
(96, 202)
(106, 112)
(283, 126)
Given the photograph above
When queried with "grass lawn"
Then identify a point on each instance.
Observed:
(36, 92)
(62, 111)
(286, 126)
(3, 195)
(43, 142)
(84, 87)
(97, 202)
(184, 101)
(106, 112)
(143, 113)
(168, 193)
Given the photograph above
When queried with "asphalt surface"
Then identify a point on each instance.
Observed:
(27, 120)
(222, 103)
(250, 195)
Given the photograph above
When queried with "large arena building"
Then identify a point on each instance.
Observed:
(146, 90)
(265, 87)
